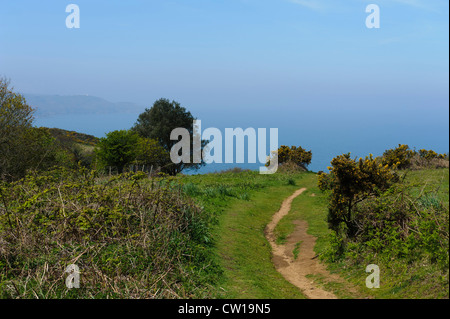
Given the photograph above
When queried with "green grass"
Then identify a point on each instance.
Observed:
(242, 249)
(249, 272)
(238, 205)
(296, 250)
(131, 237)
(338, 288)
(311, 206)
(430, 180)
(85, 148)
(418, 280)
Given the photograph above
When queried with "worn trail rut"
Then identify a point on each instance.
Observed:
(295, 270)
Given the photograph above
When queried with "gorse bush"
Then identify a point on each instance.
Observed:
(428, 154)
(398, 227)
(293, 155)
(399, 157)
(429, 159)
(130, 237)
(378, 216)
(402, 157)
(350, 182)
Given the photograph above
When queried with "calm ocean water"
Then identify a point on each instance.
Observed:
(324, 136)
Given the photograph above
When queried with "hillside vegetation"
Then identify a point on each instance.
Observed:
(72, 137)
(412, 264)
(120, 210)
(131, 237)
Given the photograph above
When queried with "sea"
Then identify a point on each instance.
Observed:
(326, 135)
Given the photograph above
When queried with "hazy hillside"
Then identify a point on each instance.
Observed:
(47, 105)
(65, 136)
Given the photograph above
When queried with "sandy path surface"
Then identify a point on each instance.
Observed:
(296, 270)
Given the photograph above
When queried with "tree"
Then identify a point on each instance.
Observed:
(39, 150)
(15, 113)
(22, 147)
(350, 182)
(158, 122)
(150, 153)
(117, 149)
(16, 116)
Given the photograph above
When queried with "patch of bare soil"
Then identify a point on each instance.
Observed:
(296, 270)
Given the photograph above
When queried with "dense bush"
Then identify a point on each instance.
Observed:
(31, 149)
(22, 146)
(402, 226)
(293, 156)
(428, 154)
(150, 154)
(377, 217)
(125, 147)
(130, 237)
(396, 228)
(399, 157)
(402, 157)
(429, 159)
(117, 149)
(350, 182)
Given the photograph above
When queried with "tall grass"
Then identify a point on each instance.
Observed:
(130, 237)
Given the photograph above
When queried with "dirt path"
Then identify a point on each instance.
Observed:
(293, 269)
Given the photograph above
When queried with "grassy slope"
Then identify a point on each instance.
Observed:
(249, 272)
(311, 206)
(399, 282)
(244, 203)
(73, 137)
(430, 180)
(243, 213)
(247, 203)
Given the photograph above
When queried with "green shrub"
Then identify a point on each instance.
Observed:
(429, 159)
(350, 182)
(399, 157)
(131, 237)
(117, 149)
(293, 155)
(191, 189)
(396, 226)
(244, 196)
(225, 190)
(428, 155)
(291, 182)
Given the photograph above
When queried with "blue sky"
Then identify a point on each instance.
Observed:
(226, 52)
(311, 62)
